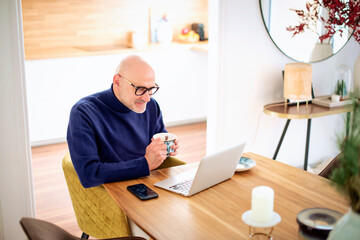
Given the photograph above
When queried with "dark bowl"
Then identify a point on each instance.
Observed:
(316, 223)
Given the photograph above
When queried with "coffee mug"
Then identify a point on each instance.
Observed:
(168, 139)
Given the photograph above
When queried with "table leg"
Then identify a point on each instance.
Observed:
(307, 145)
(281, 139)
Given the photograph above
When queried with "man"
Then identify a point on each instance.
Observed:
(110, 132)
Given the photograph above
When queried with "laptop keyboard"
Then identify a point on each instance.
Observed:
(184, 186)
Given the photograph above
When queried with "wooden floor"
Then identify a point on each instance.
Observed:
(52, 199)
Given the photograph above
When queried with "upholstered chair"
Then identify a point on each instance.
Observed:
(327, 171)
(36, 229)
(97, 214)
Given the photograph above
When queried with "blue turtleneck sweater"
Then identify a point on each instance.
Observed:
(107, 141)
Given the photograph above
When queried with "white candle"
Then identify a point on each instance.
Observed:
(262, 204)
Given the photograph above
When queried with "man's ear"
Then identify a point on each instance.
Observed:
(116, 80)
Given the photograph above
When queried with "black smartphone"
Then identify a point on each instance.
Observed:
(142, 191)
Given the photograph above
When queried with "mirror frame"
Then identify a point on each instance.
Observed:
(267, 30)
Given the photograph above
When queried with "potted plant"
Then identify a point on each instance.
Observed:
(341, 89)
(346, 178)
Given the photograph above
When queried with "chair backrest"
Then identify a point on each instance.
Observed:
(97, 214)
(327, 171)
(36, 229)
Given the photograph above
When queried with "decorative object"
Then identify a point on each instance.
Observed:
(332, 101)
(316, 223)
(261, 219)
(164, 31)
(342, 84)
(277, 17)
(297, 82)
(340, 17)
(335, 98)
(160, 26)
(262, 204)
(347, 178)
(347, 228)
(343, 17)
(321, 51)
(341, 89)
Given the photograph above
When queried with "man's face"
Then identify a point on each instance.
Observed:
(125, 92)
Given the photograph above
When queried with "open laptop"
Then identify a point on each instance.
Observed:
(212, 170)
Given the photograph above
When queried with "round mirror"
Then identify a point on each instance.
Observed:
(305, 47)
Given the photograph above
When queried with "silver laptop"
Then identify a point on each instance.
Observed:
(212, 170)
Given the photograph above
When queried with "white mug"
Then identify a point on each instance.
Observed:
(168, 139)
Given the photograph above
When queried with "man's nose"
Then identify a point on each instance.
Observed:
(146, 96)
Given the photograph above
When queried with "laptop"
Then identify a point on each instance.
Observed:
(212, 170)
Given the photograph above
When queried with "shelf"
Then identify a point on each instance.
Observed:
(80, 51)
(304, 112)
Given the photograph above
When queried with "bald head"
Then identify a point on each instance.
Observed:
(134, 67)
(133, 71)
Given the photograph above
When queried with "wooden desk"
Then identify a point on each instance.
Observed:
(216, 213)
(305, 112)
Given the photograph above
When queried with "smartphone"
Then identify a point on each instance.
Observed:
(142, 191)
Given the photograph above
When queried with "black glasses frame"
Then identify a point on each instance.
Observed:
(139, 90)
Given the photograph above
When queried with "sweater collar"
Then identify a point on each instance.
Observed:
(111, 100)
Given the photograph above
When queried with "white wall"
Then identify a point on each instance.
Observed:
(16, 188)
(55, 85)
(249, 77)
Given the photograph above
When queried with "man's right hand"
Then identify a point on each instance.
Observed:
(155, 153)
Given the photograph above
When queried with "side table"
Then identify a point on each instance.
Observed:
(305, 112)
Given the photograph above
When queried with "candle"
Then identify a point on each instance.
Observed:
(262, 204)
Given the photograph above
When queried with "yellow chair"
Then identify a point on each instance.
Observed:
(97, 214)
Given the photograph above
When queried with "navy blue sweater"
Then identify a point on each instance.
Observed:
(107, 141)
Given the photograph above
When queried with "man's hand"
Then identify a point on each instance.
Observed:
(176, 146)
(155, 153)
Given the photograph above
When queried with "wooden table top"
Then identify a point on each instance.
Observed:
(305, 112)
(216, 213)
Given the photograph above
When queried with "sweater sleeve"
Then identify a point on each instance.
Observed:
(86, 158)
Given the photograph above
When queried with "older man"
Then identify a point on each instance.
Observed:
(110, 132)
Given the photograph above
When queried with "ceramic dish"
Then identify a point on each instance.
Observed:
(245, 164)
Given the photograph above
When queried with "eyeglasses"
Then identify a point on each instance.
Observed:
(139, 91)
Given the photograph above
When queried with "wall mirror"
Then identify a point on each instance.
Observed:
(303, 47)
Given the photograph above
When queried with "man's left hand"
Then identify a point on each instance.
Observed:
(176, 146)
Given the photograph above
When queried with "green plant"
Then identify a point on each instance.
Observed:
(341, 88)
(342, 16)
(347, 175)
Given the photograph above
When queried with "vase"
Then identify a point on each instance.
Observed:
(356, 77)
(164, 32)
(347, 228)
(321, 51)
